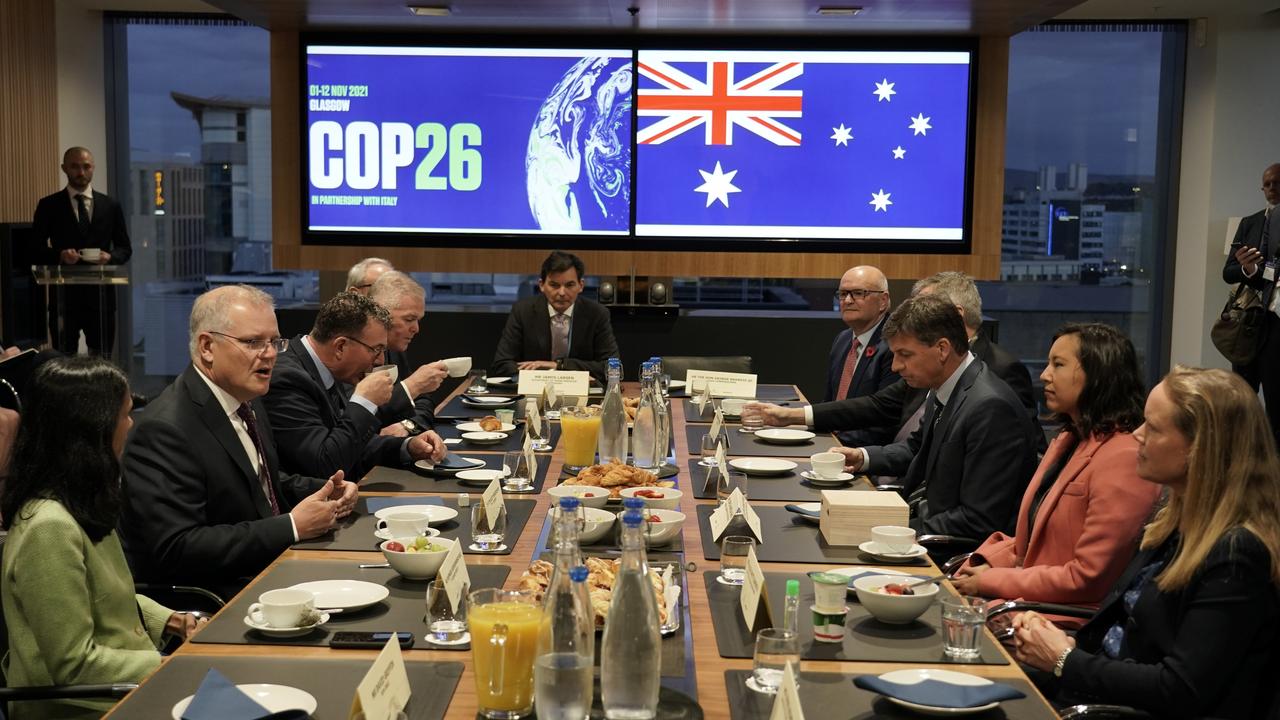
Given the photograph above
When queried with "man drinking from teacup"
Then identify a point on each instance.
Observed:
(410, 410)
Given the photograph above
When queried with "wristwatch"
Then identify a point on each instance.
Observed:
(409, 426)
(1061, 663)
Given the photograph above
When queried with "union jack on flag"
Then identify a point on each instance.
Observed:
(719, 102)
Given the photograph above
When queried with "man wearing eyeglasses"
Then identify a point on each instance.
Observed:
(205, 502)
(320, 425)
(861, 363)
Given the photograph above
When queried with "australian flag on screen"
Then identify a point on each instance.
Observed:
(867, 145)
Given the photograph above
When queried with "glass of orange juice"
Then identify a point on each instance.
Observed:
(504, 639)
(579, 430)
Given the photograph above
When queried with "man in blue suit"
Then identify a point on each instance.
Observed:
(861, 363)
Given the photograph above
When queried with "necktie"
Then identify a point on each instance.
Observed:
(337, 399)
(82, 214)
(917, 494)
(245, 413)
(559, 336)
(850, 364)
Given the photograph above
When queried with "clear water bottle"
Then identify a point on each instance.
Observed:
(563, 672)
(631, 654)
(613, 418)
(644, 433)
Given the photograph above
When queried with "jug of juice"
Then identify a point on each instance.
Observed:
(504, 642)
(579, 431)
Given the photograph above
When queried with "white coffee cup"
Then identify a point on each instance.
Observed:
(391, 370)
(733, 406)
(827, 465)
(894, 537)
(458, 366)
(284, 608)
(406, 523)
(90, 254)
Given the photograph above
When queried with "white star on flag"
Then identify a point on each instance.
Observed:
(899, 153)
(884, 89)
(842, 135)
(717, 185)
(920, 124)
(881, 201)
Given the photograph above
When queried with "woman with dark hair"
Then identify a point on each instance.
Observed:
(1083, 510)
(1190, 629)
(69, 602)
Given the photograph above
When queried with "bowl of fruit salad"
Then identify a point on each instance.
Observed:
(592, 497)
(890, 601)
(661, 526)
(416, 558)
(655, 498)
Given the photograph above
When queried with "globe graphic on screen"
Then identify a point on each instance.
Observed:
(578, 165)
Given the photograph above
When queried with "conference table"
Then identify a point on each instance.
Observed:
(708, 660)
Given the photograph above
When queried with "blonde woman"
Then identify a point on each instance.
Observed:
(1190, 629)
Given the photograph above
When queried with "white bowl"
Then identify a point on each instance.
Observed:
(893, 609)
(592, 497)
(669, 500)
(597, 524)
(665, 529)
(416, 565)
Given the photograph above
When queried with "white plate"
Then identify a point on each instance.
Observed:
(275, 698)
(501, 379)
(484, 437)
(910, 677)
(436, 514)
(385, 533)
(346, 595)
(762, 466)
(785, 436)
(431, 467)
(841, 479)
(814, 506)
(486, 400)
(675, 384)
(257, 623)
(467, 427)
(880, 552)
(484, 475)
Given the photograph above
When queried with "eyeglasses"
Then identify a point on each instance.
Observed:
(256, 345)
(857, 294)
(375, 349)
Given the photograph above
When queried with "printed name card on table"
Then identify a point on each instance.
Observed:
(719, 520)
(493, 503)
(786, 704)
(722, 464)
(530, 459)
(717, 424)
(454, 576)
(749, 514)
(532, 416)
(384, 691)
(724, 384)
(560, 382)
(754, 600)
(697, 394)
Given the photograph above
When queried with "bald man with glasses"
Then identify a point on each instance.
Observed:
(861, 362)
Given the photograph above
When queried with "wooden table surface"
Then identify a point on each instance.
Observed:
(709, 666)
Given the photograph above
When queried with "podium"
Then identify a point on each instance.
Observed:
(61, 277)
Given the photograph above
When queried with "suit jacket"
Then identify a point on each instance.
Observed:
(873, 373)
(71, 612)
(527, 336)
(1249, 233)
(312, 438)
(1086, 529)
(1206, 650)
(979, 458)
(194, 510)
(422, 410)
(55, 220)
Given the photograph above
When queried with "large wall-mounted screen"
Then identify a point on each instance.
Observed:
(639, 148)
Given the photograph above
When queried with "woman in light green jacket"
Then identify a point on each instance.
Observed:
(68, 596)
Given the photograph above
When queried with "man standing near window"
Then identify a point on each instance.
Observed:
(81, 226)
(1250, 248)
(557, 330)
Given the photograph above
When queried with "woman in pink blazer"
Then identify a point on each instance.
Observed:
(1084, 510)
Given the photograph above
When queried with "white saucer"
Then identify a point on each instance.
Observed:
(880, 552)
(785, 436)
(431, 467)
(385, 533)
(467, 427)
(436, 514)
(484, 437)
(841, 479)
(951, 677)
(487, 400)
(501, 379)
(476, 548)
(345, 595)
(762, 465)
(757, 687)
(466, 638)
(257, 623)
(275, 698)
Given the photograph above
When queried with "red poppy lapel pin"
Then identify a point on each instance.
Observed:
(871, 350)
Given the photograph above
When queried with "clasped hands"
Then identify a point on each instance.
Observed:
(319, 512)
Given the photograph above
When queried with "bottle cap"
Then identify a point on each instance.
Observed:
(632, 503)
(793, 588)
(632, 518)
(578, 573)
(569, 503)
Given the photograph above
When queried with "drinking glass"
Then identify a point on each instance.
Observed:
(540, 433)
(504, 638)
(775, 647)
(519, 476)
(479, 383)
(579, 433)
(445, 625)
(487, 533)
(752, 420)
(727, 482)
(962, 620)
(709, 444)
(733, 558)
(698, 393)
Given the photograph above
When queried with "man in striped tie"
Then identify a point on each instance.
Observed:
(861, 363)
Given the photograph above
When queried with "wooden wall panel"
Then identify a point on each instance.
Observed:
(983, 262)
(28, 106)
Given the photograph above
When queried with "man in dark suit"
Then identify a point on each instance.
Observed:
(204, 500)
(1250, 249)
(73, 219)
(964, 470)
(410, 409)
(557, 330)
(860, 362)
(321, 427)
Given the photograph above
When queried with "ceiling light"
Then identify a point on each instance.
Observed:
(829, 11)
(430, 10)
